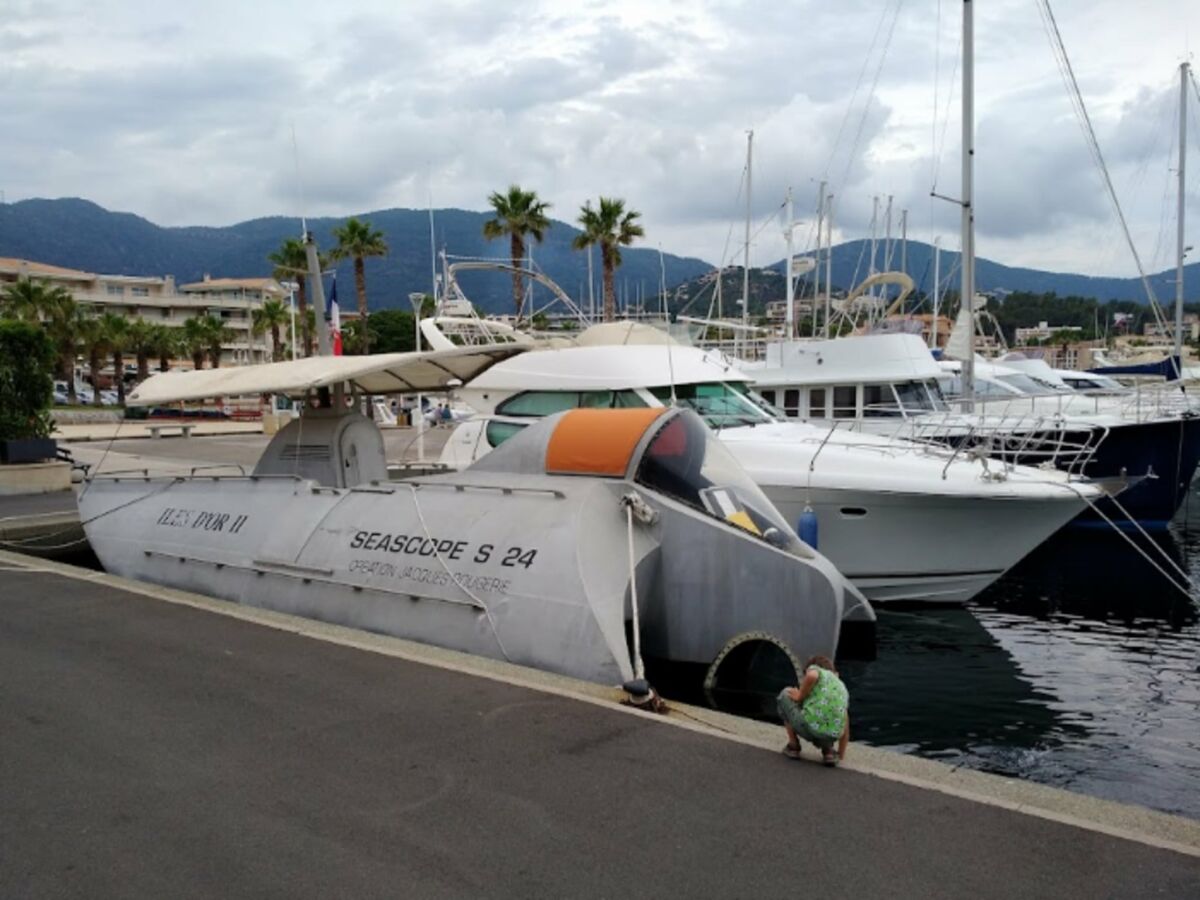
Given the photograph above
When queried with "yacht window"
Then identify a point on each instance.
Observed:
(538, 403)
(1025, 384)
(879, 401)
(546, 403)
(986, 387)
(791, 403)
(845, 401)
(769, 396)
(936, 400)
(627, 400)
(721, 405)
(913, 396)
(816, 403)
(596, 399)
(773, 412)
(499, 432)
(950, 385)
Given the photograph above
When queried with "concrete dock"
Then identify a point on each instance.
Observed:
(161, 744)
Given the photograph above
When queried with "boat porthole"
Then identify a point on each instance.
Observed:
(853, 512)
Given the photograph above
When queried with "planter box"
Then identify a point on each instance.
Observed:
(28, 450)
(34, 478)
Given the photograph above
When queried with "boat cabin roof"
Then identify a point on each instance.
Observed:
(866, 359)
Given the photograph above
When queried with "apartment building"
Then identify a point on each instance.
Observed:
(157, 299)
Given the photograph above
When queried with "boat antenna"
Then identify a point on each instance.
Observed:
(299, 182)
(662, 282)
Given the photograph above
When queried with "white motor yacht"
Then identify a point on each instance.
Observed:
(904, 521)
(890, 384)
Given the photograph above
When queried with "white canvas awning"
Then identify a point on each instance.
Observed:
(381, 373)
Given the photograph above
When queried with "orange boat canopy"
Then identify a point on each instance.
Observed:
(598, 441)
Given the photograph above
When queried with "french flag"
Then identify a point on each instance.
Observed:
(334, 317)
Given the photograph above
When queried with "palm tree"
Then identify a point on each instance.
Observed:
(62, 323)
(215, 334)
(141, 339)
(194, 341)
(116, 333)
(32, 300)
(165, 342)
(518, 213)
(612, 227)
(272, 316)
(95, 343)
(356, 240)
(291, 264)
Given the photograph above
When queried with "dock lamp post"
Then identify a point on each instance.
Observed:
(417, 299)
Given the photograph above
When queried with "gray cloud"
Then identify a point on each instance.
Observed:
(186, 118)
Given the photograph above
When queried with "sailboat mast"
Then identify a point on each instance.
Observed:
(874, 228)
(1179, 248)
(828, 259)
(817, 268)
(968, 209)
(746, 251)
(937, 288)
(789, 320)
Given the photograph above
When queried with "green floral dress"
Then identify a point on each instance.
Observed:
(824, 709)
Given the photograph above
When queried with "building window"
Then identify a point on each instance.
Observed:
(140, 291)
(166, 312)
(114, 290)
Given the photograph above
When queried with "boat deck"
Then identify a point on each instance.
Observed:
(161, 745)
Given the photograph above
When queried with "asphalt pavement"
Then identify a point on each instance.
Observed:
(155, 750)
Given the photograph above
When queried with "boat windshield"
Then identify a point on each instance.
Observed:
(687, 462)
(723, 405)
(1027, 384)
(920, 396)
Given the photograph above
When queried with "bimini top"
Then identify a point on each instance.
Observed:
(379, 373)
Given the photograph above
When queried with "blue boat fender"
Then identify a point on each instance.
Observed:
(806, 528)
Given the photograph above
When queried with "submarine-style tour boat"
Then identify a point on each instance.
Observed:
(580, 538)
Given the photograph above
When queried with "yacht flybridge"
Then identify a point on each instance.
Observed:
(903, 521)
(890, 384)
(542, 554)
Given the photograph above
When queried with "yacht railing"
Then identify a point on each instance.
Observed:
(1141, 403)
(1010, 439)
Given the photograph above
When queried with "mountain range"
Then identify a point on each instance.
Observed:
(79, 234)
(851, 262)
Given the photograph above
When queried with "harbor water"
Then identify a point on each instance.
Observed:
(1079, 669)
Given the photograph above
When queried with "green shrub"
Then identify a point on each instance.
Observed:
(26, 381)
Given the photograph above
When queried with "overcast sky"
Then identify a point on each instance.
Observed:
(183, 113)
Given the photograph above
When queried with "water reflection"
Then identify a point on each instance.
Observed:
(943, 686)
(1078, 669)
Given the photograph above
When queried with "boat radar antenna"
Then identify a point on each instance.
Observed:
(662, 283)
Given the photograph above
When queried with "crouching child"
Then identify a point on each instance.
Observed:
(818, 711)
